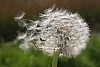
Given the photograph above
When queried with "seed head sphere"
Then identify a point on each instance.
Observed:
(56, 30)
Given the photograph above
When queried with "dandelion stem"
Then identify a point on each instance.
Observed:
(55, 59)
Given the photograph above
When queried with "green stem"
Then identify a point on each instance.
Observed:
(55, 59)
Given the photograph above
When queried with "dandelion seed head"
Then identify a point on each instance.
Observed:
(58, 29)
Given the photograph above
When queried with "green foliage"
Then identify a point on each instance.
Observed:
(12, 56)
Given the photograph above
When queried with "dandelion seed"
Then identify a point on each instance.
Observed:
(19, 17)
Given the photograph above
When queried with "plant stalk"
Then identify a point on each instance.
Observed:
(55, 58)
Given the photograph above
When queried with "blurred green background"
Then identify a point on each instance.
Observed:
(12, 56)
